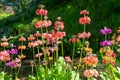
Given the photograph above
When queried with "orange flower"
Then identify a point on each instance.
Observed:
(31, 38)
(101, 50)
(22, 56)
(118, 30)
(21, 47)
(22, 39)
(91, 60)
(4, 44)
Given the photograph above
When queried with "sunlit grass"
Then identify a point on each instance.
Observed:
(4, 15)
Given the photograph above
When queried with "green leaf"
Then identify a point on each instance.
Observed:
(31, 77)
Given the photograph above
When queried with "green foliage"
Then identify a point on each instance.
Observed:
(58, 72)
(4, 76)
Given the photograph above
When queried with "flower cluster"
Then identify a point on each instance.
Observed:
(110, 57)
(4, 56)
(84, 35)
(106, 43)
(91, 72)
(91, 60)
(4, 42)
(85, 19)
(105, 31)
(44, 24)
(41, 11)
(14, 63)
(58, 25)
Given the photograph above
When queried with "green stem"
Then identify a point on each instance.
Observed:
(73, 53)
(57, 51)
(35, 61)
(4, 66)
(84, 27)
(32, 70)
(62, 49)
(105, 36)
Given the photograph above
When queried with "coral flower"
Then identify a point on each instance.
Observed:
(38, 24)
(91, 60)
(88, 73)
(67, 59)
(31, 38)
(46, 23)
(21, 47)
(59, 25)
(4, 56)
(73, 40)
(85, 20)
(4, 44)
(37, 34)
(85, 12)
(22, 39)
(42, 12)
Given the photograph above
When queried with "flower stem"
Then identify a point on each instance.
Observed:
(73, 53)
(62, 49)
(57, 51)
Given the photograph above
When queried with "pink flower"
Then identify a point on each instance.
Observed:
(42, 12)
(46, 23)
(37, 34)
(88, 73)
(67, 59)
(85, 12)
(38, 55)
(95, 73)
(46, 35)
(4, 56)
(85, 20)
(73, 40)
(38, 24)
(84, 35)
(58, 25)
(35, 43)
